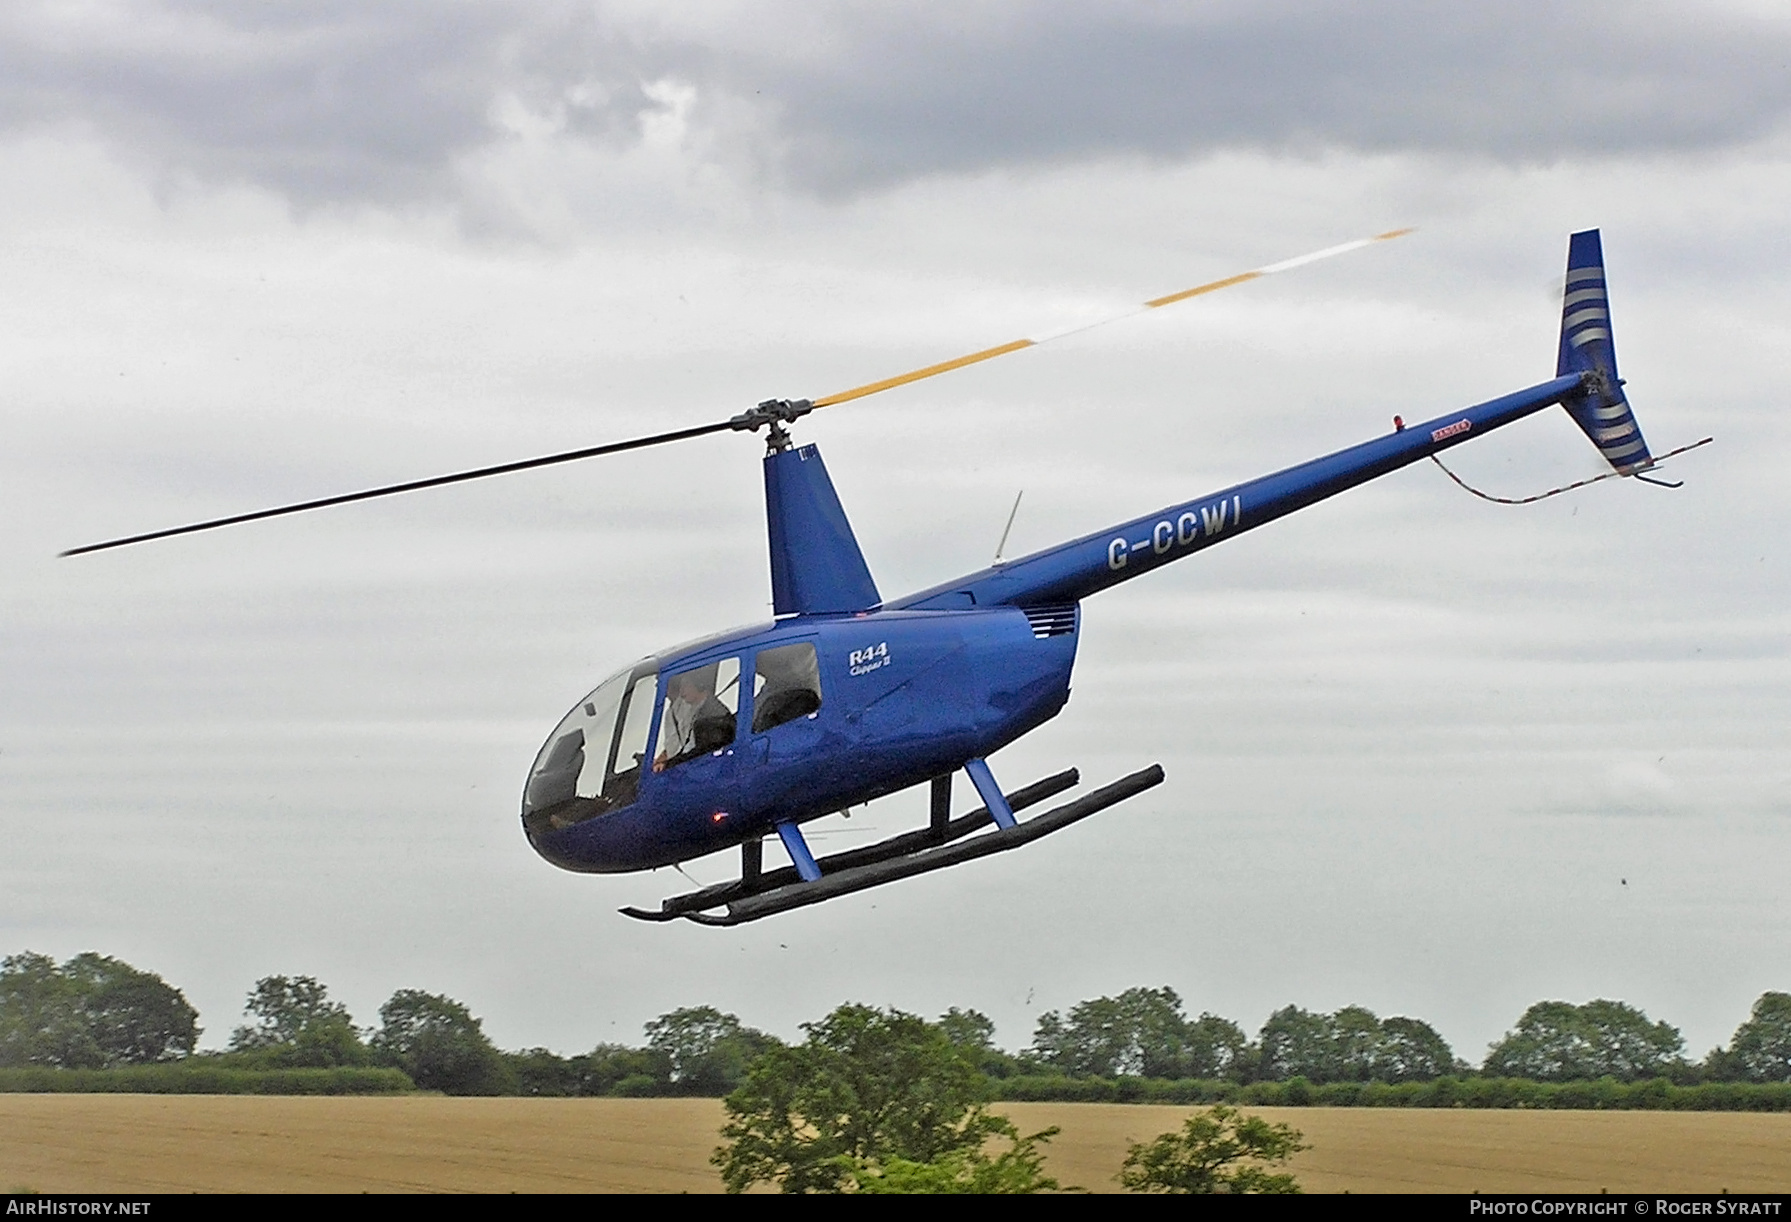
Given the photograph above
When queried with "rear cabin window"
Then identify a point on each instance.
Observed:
(786, 685)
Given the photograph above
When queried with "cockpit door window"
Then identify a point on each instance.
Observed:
(698, 713)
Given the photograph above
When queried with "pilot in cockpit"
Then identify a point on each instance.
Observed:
(695, 721)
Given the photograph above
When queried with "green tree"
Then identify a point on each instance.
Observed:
(1761, 1049)
(618, 1070)
(39, 1023)
(1217, 1151)
(297, 1025)
(708, 1051)
(865, 1086)
(1215, 1048)
(440, 1045)
(90, 1012)
(1410, 1050)
(968, 1029)
(1351, 1045)
(133, 1017)
(1355, 1044)
(1297, 1043)
(1141, 1031)
(543, 1073)
(974, 1032)
(1018, 1170)
(1556, 1041)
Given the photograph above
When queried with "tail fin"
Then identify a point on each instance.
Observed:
(815, 562)
(1602, 411)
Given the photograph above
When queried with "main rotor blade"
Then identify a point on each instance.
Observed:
(751, 420)
(1155, 303)
(412, 486)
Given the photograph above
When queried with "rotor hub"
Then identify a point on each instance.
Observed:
(772, 415)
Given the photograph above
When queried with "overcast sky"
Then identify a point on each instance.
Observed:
(1425, 754)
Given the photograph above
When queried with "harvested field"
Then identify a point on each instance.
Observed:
(184, 1143)
(414, 1143)
(1449, 1150)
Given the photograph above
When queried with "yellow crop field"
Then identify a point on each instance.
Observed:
(185, 1143)
(1447, 1150)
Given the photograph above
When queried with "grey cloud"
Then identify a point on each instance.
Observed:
(1519, 82)
(329, 101)
(322, 101)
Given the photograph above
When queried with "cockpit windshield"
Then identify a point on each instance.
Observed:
(591, 764)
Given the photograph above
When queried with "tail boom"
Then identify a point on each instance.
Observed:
(1585, 383)
(1094, 562)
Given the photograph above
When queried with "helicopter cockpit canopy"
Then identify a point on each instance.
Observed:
(592, 762)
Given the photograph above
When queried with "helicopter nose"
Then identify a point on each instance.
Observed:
(586, 847)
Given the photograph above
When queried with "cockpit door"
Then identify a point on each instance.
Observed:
(695, 749)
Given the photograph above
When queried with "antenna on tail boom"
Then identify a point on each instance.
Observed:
(1009, 527)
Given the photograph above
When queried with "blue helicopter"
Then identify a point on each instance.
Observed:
(846, 696)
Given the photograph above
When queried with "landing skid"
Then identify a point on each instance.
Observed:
(759, 893)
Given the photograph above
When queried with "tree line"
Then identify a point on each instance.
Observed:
(1146, 1033)
(94, 1013)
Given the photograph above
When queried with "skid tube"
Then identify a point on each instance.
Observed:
(754, 882)
(894, 867)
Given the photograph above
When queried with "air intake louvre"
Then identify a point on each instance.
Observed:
(1054, 620)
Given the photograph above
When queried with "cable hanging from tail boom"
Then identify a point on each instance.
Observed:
(1543, 496)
